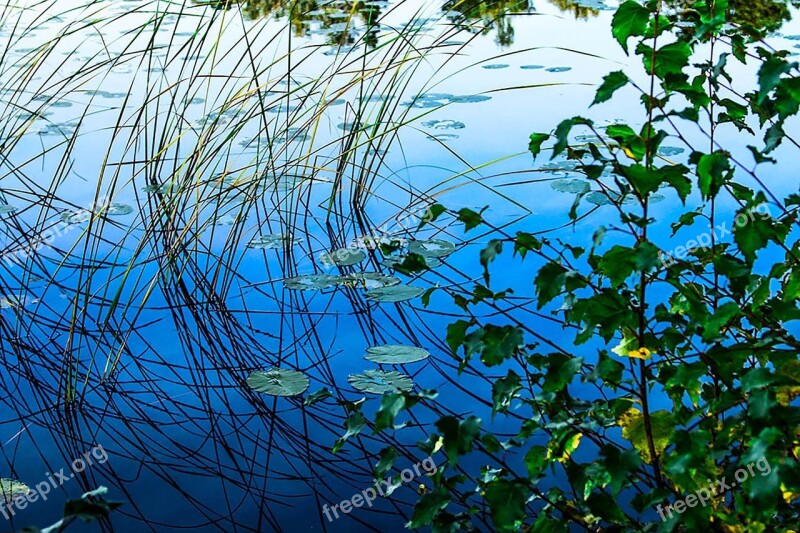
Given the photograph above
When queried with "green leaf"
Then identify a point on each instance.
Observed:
(500, 343)
(723, 315)
(506, 499)
(391, 405)
(488, 254)
(353, 426)
(318, 396)
(428, 506)
(633, 145)
(713, 170)
(470, 218)
(617, 264)
(549, 283)
(630, 20)
(669, 59)
(504, 390)
(611, 83)
(535, 146)
(458, 436)
(525, 242)
(431, 214)
(536, 461)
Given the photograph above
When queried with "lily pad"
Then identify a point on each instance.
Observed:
(571, 186)
(278, 382)
(11, 490)
(470, 99)
(117, 210)
(5, 208)
(669, 151)
(380, 381)
(396, 354)
(76, 217)
(432, 248)
(558, 69)
(367, 280)
(599, 198)
(273, 241)
(444, 125)
(531, 67)
(311, 282)
(157, 188)
(495, 66)
(396, 293)
(430, 262)
(343, 257)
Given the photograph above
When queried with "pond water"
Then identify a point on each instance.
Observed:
(206, 188)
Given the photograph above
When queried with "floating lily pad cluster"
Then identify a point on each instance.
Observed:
(79, 216)
(431, 100)
(433, 251)
(387, 381)
(273, 241)
(359, 280)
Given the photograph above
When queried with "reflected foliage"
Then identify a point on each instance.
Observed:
(486, 17)
(756, 17)
(580, 12)
(342, 22)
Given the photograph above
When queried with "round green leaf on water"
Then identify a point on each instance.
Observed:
(310, 282)
(392, 261)
(5, 208)
(397, 293)
(367, 280)
(571, 186)
(76, 217)
(395, 354)
(11, 490)
(278, 382)
(432, 248)
(380, 381)
(343, 257)
(118, 210)
(272, 241)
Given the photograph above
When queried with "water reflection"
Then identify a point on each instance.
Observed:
(345, 23)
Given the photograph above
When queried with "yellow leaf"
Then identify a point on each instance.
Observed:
(562, 452)
(641, 353)
(627, 343)
(438, 445)
(633, 429)
(785, 394)
(789, 496)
